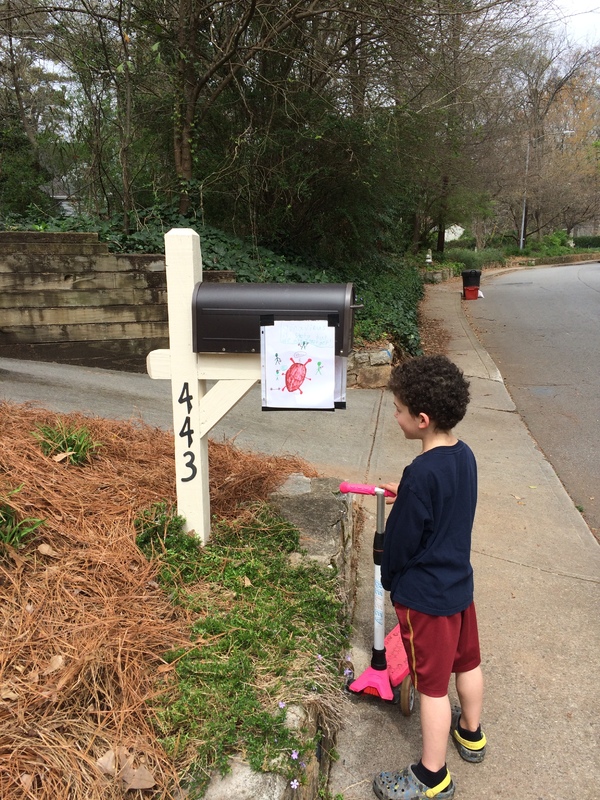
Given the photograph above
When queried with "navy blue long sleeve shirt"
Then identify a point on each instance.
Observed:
(426, 562)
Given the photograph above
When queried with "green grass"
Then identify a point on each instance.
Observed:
(66, 442)
(14, 531)
(268, 636)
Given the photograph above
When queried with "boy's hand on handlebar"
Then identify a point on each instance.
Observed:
(390, 487)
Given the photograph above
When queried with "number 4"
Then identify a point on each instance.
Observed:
(186, 397)
(186, 431)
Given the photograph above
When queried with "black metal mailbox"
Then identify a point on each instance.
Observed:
(227, 317)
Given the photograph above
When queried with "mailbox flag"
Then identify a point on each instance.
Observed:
(298, 365)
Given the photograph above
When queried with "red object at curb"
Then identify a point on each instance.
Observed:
(471, 292)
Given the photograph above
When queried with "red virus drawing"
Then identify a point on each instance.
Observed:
(295, 376)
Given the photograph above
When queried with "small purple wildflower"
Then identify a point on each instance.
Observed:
(294, 754)
(281, 704)
(303, 765)
(319, 656)
(347, 671)
(295, 783)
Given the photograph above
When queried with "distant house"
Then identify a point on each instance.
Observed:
(66, 199)
(453, 232)
(591, 228)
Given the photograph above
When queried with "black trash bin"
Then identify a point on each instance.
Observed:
(471, 279)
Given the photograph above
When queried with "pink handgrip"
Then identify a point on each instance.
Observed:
(362, 488)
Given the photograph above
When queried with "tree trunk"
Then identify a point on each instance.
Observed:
(184, 161)
(416, 234)
(16, 80)
(443, 209)
(441, 237)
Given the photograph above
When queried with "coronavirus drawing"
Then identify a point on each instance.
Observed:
(298, 365)
(295, 376)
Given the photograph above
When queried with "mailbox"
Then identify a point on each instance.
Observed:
(227, 317)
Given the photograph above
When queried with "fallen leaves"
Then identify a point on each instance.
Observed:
(7, 693)
(433, 334)
(56, 662)
(59, 457)
(119, 765)
(46, 550)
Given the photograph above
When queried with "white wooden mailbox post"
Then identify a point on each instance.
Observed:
(195, 410)
(209, 325)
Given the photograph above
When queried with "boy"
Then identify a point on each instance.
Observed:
(426, 568)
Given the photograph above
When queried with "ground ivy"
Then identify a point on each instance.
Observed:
(268, 635)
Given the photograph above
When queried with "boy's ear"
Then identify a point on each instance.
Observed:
(424, 421)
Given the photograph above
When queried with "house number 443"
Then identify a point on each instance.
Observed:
(186, 432)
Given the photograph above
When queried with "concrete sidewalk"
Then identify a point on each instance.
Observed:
(537, 566)
(537, 570)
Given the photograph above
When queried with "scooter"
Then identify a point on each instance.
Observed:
(388, 677)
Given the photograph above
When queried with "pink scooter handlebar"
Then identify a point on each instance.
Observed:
(362, 488)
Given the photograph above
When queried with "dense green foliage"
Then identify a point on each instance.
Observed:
(553, 244)
(587, 242)
(21, 176)
(465, 242)
(268, 635)
(391, 292)
(306, 142)
(334, 133)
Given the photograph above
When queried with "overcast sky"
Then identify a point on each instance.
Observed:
(582, 19)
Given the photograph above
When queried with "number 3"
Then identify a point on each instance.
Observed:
(191, 466)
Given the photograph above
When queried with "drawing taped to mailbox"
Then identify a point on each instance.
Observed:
(298, 365)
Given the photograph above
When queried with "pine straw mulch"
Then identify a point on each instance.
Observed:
(84, 623)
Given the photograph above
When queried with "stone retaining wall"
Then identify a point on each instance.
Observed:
(65, 298)
(370, 368)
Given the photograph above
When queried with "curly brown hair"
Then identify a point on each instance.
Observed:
(432, 385)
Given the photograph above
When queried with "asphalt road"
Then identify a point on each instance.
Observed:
(542, 328)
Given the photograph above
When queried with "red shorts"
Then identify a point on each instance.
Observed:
(438, 646)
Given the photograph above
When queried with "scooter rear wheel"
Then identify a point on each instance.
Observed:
(407, 697)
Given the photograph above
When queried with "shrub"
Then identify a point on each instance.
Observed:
(472, 259)
(464, 243)
(587, 242)
(456, 267)
(553, 244)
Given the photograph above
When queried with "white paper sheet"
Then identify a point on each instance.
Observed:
(298, 365)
